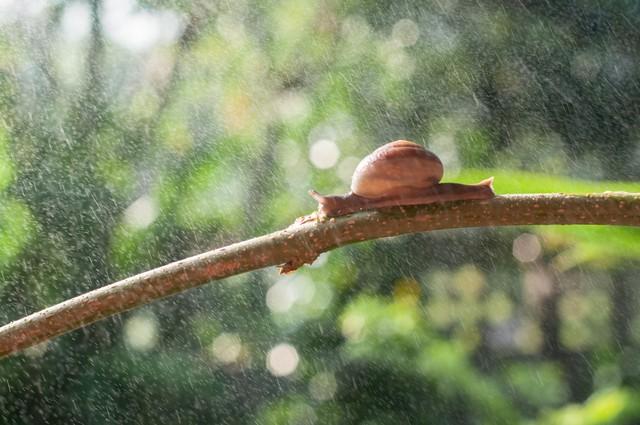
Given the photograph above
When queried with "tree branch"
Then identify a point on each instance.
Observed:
(301, 243)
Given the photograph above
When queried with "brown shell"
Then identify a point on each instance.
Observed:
(396, 168)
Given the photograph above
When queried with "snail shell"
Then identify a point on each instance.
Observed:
(399, 166)
(399, 173)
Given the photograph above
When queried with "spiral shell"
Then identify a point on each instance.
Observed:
(395, 168)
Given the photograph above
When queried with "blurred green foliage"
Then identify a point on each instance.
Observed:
(137, 133)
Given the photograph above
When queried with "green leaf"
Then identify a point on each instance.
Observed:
(602, 246)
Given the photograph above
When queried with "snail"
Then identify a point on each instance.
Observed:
(399, 173)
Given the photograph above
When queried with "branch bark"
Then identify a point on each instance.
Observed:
(301, 243)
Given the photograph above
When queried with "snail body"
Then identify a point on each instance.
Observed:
(399, 173)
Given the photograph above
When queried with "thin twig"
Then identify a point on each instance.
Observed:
(302, 243)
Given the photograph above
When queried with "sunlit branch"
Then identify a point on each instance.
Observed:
(302, 243)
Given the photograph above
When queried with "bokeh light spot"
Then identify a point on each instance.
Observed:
(405, 32)
(141, 213)
(141, 332)
(346, 168)
(324, 154)
(323, 386)
(227, 348)
(292, 106)
(281, 296)
(282, 360)
(527, 248)
(353, 326)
